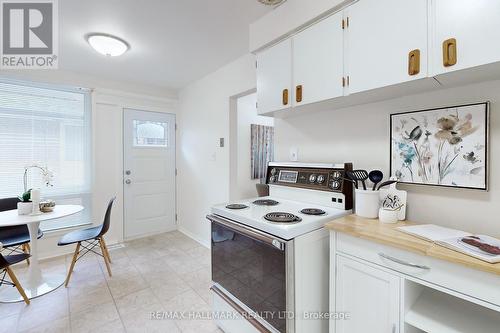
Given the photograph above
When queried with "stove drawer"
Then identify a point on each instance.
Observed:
(459, 278)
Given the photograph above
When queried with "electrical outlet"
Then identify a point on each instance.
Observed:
(294, 154)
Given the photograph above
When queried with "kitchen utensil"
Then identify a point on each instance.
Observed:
(358, 175)
(397, 197)
(352, 181)
(375, 177)
(386, 183)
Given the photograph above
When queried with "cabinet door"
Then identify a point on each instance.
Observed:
(381, 34)
(274, 78)
(369, 295)
(474, 25)
(318, 61)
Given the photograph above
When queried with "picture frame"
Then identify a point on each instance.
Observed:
(444, 147)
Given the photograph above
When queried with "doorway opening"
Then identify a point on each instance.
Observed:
(251, 140)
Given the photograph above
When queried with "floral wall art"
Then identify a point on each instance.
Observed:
(446, 146)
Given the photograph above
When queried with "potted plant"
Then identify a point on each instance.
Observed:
(25, 207)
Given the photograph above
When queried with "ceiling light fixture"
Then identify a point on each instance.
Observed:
(108, 45)
(271, 2)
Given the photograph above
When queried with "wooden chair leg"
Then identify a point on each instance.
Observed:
(106, 248)
(75, 256)
(26, 250)
(14, 280)
(103, 251)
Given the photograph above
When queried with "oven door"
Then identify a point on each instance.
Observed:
(255, 268)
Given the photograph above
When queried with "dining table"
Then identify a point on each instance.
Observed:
(36, 282)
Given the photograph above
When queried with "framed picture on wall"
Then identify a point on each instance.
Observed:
(441, 147)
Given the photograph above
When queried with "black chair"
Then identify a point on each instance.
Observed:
(16, 239)
(5, 263)
(90, 237)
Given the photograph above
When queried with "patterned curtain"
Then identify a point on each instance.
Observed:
(262, 149)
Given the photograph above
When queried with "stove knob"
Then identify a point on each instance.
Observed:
(321, 179)
(272, 179)
(273, 171)
(335, 185)
(312, 178)
(337, 175)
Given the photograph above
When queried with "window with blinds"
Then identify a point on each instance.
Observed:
(49, 127)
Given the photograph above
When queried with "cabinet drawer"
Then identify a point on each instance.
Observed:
(458, 278)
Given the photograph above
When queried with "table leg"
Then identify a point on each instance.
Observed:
(35, 283)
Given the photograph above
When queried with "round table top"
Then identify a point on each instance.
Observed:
(10, 217)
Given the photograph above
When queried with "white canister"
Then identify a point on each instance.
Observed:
(24, 208)
(388, 215)
(367, 203)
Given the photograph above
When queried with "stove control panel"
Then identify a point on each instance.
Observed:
(323, 179)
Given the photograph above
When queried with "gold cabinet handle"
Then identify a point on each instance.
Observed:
(449, 52)
(298, 93)
(414, 62)
(285, 96)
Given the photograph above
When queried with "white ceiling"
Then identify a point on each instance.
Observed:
(173, 42)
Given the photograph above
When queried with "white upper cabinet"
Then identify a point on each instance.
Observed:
(386, 43)
(369, 295)
(466, 34)
(274, 78)
(318, 61)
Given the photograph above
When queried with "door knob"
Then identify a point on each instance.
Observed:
(128, 182)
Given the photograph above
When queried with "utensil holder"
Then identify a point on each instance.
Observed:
(367, 203)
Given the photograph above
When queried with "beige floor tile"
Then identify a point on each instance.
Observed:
(44, 309)
(169, 288)
(115, 326)
(138, 303)
(57, 326)
(186, 302)
(9, 309)
(80, 301)
(89, 320)
(196, 326)
(124, 283)
(8, 324)
(147, 325)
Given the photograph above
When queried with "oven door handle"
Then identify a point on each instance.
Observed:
(252, 233)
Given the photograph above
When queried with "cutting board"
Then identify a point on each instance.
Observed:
(395, 194)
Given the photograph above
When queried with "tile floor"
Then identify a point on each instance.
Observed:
(168, 272)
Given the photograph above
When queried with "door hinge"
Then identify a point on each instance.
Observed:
(348, 80)
(343, 24)
(347, 22)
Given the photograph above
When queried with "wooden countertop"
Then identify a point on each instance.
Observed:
(387, 234)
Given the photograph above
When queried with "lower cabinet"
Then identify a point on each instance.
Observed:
(368, 295)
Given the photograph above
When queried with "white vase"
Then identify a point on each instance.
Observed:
(388, 216)
(24, 208)
(367, 203)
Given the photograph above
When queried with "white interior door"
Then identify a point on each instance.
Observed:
(149, 172)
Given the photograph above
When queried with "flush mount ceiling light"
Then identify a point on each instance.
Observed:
(271, 2)
(108, 45)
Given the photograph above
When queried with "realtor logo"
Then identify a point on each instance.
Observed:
(29, 34)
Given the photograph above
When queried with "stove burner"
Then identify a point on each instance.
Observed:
(313, 211)
(280, 217)
(236, 206)
(266, 202)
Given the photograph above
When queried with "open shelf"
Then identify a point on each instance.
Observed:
(437, 312)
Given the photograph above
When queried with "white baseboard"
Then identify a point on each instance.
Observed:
(191, 235)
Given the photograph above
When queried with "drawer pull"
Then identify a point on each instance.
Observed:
(285, 96)
(402, 262)
(414, 62)
(298, 94)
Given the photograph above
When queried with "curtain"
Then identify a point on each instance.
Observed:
(262, 150)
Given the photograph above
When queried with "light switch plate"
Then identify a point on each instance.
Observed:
(294, 154)
(221, 142)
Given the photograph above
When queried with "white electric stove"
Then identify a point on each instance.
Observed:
(270, 254)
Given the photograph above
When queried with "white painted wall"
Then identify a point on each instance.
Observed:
(246, 115)
(360, 135)
(108, 101)
(203, 118)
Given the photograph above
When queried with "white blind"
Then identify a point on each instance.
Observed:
(50, 127)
